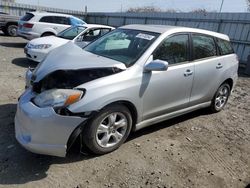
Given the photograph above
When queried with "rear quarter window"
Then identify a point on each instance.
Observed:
(47, 19)
(61, 20)
(27, 17)
(225, 47)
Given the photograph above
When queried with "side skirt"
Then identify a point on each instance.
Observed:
(164, 117)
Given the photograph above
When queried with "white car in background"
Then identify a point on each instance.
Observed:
(37, 49)
(40, 24)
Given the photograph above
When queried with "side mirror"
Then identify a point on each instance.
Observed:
(156, 65)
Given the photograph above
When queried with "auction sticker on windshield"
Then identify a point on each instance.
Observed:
(145, 36)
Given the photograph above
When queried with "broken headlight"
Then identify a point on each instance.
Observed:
(58, 97)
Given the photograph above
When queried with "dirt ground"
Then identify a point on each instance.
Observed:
(195, 150)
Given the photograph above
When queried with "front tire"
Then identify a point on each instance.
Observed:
(108, 130)
(220, 98)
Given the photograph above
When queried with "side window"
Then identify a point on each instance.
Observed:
(47, 19)
(225, 47)
(104, 31)
(61, 20)
(203, 46)
(92, 34)
(173, 50)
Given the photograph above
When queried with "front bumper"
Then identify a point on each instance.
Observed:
(41, 130)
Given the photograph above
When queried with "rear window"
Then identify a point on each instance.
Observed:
(27, 17)
(203, 46)
(225, 47)
(61, 20)
(55, 19)
(47, 19)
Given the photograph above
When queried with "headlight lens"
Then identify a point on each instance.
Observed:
(38, 46)
(58, 97)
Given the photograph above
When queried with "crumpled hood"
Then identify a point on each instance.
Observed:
(53, 40)
(72, 57)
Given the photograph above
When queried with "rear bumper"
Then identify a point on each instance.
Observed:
(41, 130)
(27, 35)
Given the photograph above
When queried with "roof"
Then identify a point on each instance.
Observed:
(167, 28)
(96, 25)
(42, 13)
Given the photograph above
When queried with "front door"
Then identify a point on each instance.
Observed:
(169, 91)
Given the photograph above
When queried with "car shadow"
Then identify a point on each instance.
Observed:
(3, 35)
(13, 44)
(24, 62)
(18, 166)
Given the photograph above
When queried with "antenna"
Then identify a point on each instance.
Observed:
(222, 2)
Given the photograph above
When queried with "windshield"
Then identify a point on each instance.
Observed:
(124, 45)
(71, 32)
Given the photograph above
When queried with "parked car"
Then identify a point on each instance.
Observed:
(133, 77)
(8, 24)
(40, 24)
(37, 49)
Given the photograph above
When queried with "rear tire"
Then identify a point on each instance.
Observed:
(11, 30)
(108, 130)
(220, 98)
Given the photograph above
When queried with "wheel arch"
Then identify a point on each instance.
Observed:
(78, 130)
(47, 32)
(11, 23)
(230, 82)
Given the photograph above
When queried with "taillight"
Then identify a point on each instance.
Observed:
(28, 25)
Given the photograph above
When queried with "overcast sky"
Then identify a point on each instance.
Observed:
(117, 5)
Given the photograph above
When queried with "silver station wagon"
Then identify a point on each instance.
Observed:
(133, 77)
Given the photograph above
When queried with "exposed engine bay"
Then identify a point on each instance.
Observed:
(68, 79)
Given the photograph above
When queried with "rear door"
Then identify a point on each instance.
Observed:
(169, 91)
(61, 23)
(56, 23)
(208, 68)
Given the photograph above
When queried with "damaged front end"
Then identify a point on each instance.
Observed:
(51, 88)
(59, 83)
(46, 102)
(69, 79)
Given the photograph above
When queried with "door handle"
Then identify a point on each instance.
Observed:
(188, 72)
(219, 66)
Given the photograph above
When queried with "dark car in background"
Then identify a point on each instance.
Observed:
(8, 24)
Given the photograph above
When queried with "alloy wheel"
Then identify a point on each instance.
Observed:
(221, 97)
(111, 130)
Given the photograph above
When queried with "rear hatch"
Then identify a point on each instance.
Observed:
(24, 25)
